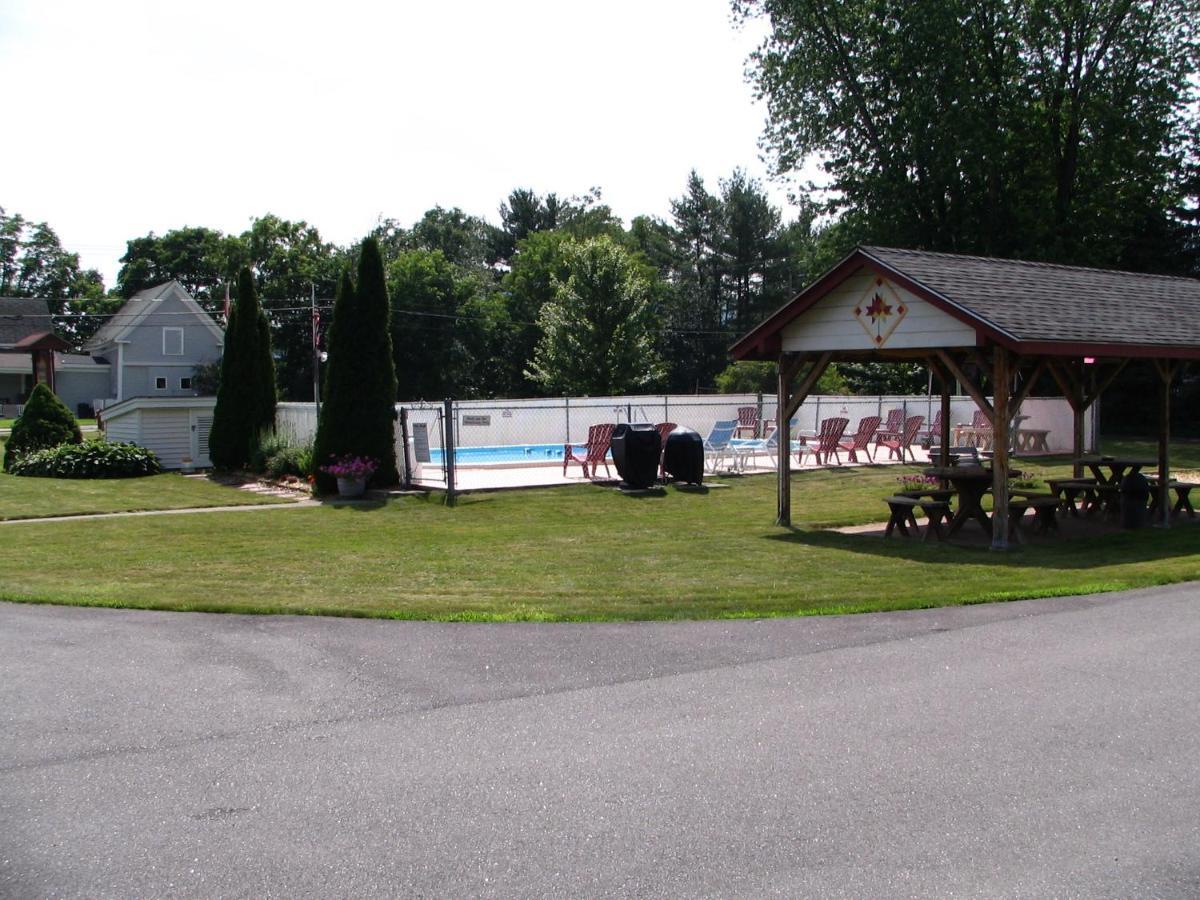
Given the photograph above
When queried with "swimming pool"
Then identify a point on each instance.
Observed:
(511, 453)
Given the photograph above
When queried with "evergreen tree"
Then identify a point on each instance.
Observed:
(246, 398)
(45, 422)
(358, 415)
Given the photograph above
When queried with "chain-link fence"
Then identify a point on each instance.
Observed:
(472, 444)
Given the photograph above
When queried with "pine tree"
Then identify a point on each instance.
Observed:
(44, 422)
(358, 415)
(246, 398)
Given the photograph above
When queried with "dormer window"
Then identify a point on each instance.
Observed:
(172, 342)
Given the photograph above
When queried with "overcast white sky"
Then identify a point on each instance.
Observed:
(146, 115)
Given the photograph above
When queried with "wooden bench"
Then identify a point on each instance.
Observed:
(1183, 502)
(1044, 506)
(1031, 440)
(1068, 490)
(903, 514)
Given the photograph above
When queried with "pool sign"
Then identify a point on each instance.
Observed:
(879, 311)
(477, 420)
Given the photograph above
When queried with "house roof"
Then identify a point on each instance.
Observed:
(11, 362)
(21, 317)
(141, 305)
(1028, 306)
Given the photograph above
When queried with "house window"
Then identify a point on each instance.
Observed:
(185, 384)
(172, 342)
(160, 383)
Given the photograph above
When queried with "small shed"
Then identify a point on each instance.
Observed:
(175, 428)
(986, 323)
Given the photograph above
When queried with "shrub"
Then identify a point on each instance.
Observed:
(290, 461)
(45, 422)
(93, 459)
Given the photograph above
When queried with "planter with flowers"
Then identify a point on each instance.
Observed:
(351, 472)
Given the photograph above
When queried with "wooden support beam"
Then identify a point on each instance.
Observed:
(969, 386)
(1104, 383)
(1000, 427)
(789, 403)
(1166, 372)
(1027, 386)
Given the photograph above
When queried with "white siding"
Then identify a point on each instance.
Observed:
(168, 432)
(832, 325)
(125, 429)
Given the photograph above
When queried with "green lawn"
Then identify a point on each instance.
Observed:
(571, 553)
(33, 498)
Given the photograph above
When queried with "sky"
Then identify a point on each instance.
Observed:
(131, 117)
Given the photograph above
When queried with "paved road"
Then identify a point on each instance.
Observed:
(1045, 748)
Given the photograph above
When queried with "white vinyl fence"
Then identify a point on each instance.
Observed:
(545, 422)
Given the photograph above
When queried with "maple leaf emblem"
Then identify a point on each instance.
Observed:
(878, 309)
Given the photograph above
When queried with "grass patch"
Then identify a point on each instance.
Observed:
(35, 498)
(581, 553)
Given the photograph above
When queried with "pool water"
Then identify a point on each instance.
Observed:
(512, 453)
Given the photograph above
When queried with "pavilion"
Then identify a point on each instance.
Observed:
(972, 318)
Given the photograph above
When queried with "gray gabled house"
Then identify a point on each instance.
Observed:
(154, 343)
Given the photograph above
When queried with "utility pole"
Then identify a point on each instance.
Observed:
(316, 350)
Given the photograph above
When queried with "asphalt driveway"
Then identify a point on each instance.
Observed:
(1043, 748)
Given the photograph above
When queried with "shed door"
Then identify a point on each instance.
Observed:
(201, 425)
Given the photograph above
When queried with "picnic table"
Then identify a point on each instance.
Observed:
(970, 483)
(1108, 472)
(1118, 467)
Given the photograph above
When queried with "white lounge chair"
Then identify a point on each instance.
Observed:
(718, 446)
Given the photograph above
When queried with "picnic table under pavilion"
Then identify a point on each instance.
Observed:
(977, 320)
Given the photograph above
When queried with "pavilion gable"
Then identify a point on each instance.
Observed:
(869, 312)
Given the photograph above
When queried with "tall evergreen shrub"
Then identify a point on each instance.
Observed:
(246, 398)
(358, 413)
(44, 422)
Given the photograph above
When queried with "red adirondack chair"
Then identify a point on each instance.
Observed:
(895, 421)
(663, 429)
(747, 421)
(595, 451)
(826, 442)
(898, 443)
(861, 439)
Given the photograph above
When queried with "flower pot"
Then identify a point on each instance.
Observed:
(351, 487)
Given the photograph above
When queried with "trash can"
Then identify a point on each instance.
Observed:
(1135, 494)
(683, 457)
(635, 452)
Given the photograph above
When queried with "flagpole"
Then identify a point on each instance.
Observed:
(316, 352)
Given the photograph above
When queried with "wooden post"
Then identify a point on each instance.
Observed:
(944, 437)
(789, 402)
(1167, 373)
(787, 371)
(1000, 427)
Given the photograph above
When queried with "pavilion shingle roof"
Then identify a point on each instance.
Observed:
(1038, 302)
(21, 317)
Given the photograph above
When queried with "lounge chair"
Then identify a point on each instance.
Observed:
(718, 446)
(898, 443)
(767, 446)
(595, 451)
(861, 439)
(826, 443)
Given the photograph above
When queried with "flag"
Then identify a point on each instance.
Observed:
(227, 304)
(316, 329)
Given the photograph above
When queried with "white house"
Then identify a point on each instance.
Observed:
(154, 343)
